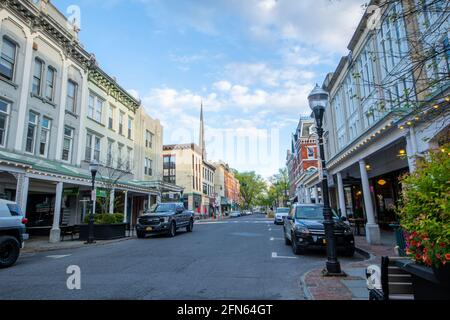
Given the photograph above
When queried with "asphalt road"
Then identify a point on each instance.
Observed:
(242, 258)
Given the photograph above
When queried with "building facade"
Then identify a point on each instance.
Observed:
(182, 166)
(59, 112)
(368, 147)
(302, 163)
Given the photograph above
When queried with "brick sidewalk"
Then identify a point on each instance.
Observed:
(352, 287)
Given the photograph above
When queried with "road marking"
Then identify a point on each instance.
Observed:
(59, 256)
(276, 256)
(273, 239)
(270, 229)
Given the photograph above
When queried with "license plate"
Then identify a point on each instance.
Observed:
(149, 229)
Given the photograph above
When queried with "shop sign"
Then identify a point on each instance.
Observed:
(101, 193)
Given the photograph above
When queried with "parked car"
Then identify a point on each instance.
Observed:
(165, 218)
(304, 229)
(280, 214)
(235, 214)
(12, 232)
(247, 213)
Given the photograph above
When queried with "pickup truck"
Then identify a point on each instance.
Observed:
(12, 232)
(165, 218)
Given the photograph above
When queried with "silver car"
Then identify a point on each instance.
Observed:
(280, 214)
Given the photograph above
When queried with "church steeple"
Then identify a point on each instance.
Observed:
(202, 133)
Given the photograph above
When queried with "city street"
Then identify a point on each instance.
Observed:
(242, 258)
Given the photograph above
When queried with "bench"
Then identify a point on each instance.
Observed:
(396, 283)
(69, 231)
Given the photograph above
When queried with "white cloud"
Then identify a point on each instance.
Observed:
(222, 85)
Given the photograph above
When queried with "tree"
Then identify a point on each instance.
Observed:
(252, 186)
(280, 186)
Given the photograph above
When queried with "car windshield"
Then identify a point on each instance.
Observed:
(312, 213)
(164, 207)
(282, 210)
(309, 212)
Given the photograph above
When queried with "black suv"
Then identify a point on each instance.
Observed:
(304, 229)
(12, 232)
(165, 218)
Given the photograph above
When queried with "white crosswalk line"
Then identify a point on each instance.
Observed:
(59, 256)
(276, 256)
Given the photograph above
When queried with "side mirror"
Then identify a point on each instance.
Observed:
(179, 210)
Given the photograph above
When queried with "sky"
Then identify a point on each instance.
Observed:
(251, 62)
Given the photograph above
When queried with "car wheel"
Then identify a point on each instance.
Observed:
(172, 230)
(295, 248)
(190, 226)
(140, 234)
(9, 251)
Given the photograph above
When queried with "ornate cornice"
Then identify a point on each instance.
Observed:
(38, 20)
(111, 87)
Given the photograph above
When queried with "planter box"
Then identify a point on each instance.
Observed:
(426, 285)
(104, 231)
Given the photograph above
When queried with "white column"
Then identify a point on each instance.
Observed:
(341, 194)
(308, 195)
(111, 201)
(149, 205)
(24, 93)
(411, 147)
(125, 207)
(23, 183)
(316, 194)
(62, 110)
(372, 228)
(55, 233)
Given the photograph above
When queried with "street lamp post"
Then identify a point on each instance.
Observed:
(318, 101)
(93, 167)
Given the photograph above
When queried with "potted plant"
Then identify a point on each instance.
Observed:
(106, 227)
(424, 213)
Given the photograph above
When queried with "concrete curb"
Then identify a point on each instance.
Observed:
(77, 246)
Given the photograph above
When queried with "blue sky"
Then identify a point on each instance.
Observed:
(251, 62)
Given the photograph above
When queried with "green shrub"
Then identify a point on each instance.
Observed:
(106, 218)
(425, 209)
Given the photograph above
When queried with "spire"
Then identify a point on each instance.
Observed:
(202, 133)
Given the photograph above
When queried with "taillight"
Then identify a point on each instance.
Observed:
(24, 220)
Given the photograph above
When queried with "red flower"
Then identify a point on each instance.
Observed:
(413, 243)
(441, 244)
(447, 256)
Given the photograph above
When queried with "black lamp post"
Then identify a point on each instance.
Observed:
(93, 167)
(318, 101)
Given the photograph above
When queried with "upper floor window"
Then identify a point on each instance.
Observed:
(148, 139)
(109, 156)
(71, 100)
(120, 163)
(67, 144)
(121, 116)
(110, 117)
(37, 77)
(310, 152)
(44, 142)
(50, 88)
(129, 163)
(95, 108)
(92, 147)
(130, 127)
(8, 59)
(33, 119)
(4, 116)
(148, 167)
